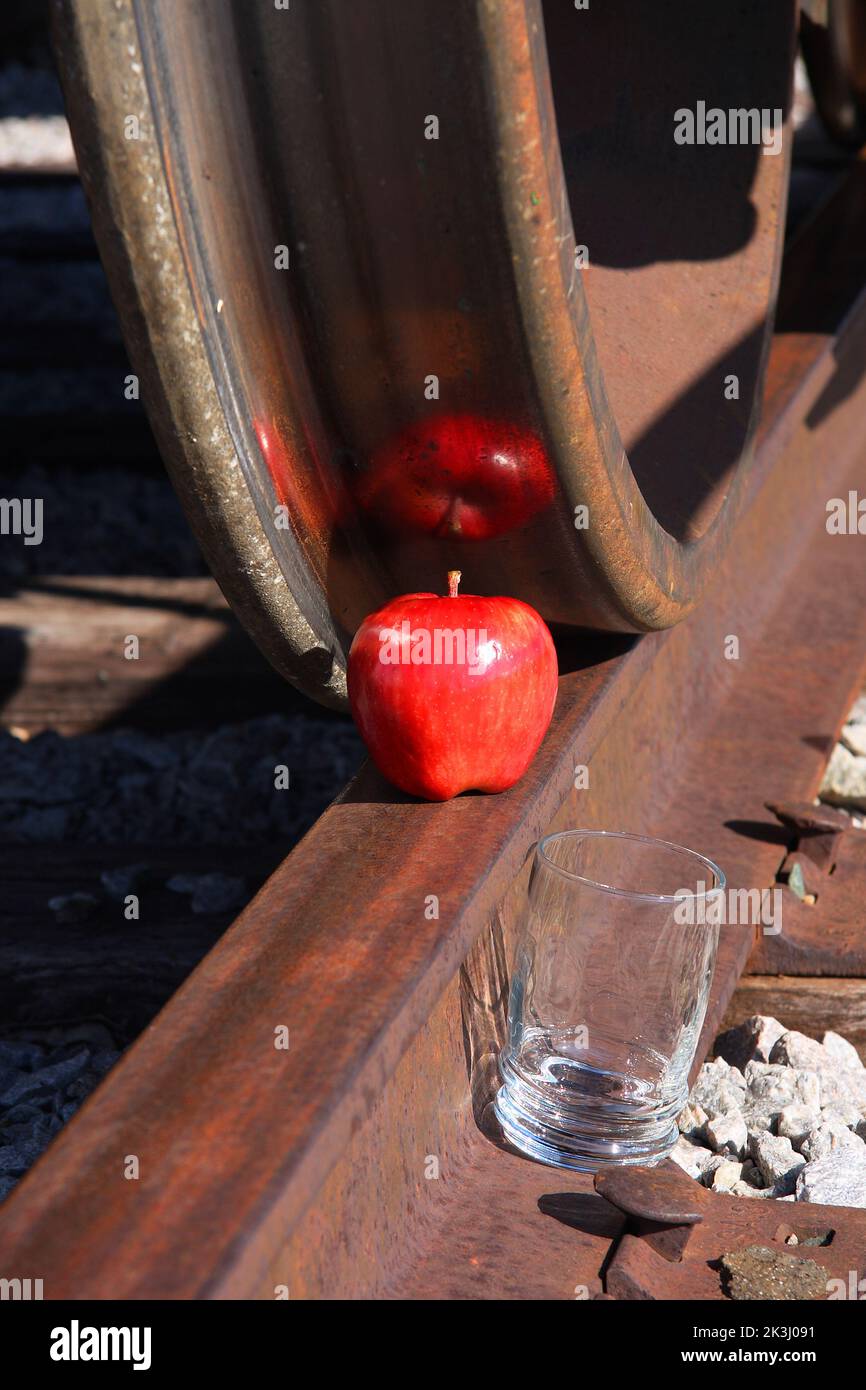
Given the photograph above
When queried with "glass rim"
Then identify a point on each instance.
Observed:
(719, 887)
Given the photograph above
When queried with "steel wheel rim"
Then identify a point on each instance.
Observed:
(302, 594)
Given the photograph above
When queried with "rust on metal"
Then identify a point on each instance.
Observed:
(808, 819)
(816, 831)
(664, 1194)
(833, 1237)
(662, 1204)
(823, 933)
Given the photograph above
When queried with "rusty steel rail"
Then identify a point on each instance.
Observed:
(360, 1162)
(830, 858)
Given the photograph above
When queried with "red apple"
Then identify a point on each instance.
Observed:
(459, 476)
(452, 693)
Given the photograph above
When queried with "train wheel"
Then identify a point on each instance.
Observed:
(409, 292)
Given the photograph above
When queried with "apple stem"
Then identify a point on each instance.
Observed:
(453, 583)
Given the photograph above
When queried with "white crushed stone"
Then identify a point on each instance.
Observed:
(788, 1122)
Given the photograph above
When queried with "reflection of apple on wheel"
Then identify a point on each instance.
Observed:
(285, 469)
(276, 457)
(461, 477)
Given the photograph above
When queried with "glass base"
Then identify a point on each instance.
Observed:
(584, 1123)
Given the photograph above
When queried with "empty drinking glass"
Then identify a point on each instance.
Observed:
(608, 995)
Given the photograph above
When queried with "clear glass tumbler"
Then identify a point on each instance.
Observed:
(608, 995)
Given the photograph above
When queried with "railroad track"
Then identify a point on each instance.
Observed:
(308, 1168)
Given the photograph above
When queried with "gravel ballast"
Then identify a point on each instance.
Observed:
(778, 1114)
